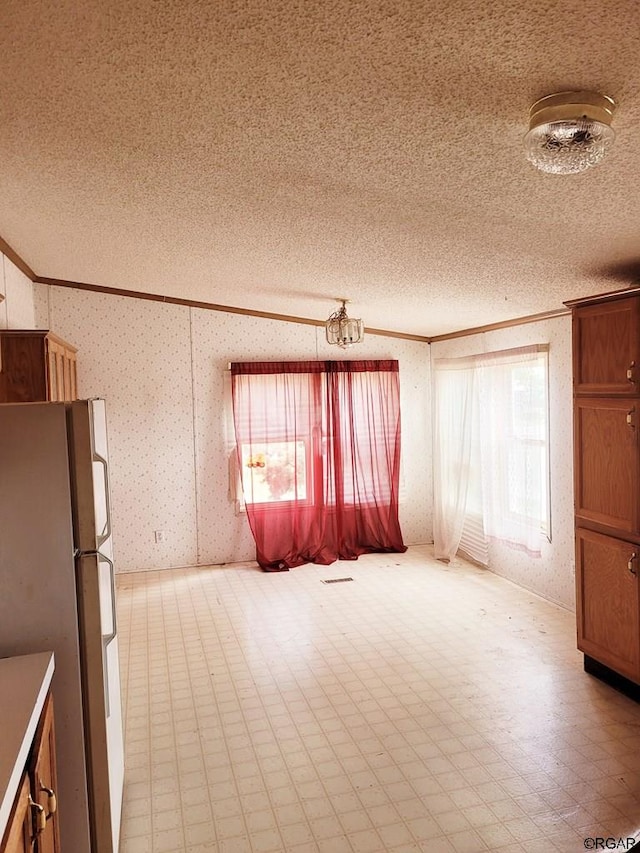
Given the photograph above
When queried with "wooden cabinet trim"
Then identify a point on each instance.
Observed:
(38, 333)
(606, 530)
(603, 298)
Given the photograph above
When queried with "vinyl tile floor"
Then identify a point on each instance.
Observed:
(419, 707)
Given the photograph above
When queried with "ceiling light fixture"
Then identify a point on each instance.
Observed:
(569, 131)
(341, 329)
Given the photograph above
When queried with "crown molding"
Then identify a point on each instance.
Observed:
(611, 295)
(503, 324)
(211, 306)
(15, 258)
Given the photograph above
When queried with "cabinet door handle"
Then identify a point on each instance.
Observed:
(630, 563)
(52, 801)
(630, 415)
(630, 371)
(39, 817)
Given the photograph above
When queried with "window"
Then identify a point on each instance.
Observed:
(319, 452)
(491, 459)
(513, 431)
(275, 471)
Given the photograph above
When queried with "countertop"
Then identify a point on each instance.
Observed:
(24, 684)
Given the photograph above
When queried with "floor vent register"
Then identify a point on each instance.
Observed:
(336, 580)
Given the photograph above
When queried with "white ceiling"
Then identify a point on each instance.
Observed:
(274, 154)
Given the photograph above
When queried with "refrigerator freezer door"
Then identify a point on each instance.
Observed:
(102, 701)
(89, 473)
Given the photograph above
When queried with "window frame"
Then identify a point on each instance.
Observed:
(307, 500)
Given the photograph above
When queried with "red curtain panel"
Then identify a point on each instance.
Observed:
(318, 448)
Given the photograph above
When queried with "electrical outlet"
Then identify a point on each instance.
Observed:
(161, 536)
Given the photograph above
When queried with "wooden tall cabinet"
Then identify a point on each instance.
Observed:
(606, 383)
(36, 366)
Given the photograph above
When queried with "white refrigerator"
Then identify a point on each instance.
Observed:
(57, 593)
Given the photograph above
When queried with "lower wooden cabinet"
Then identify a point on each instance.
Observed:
(33, 826)
(19, 833)
(42, 775)
(608, 604)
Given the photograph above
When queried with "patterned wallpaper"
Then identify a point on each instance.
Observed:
(163, 371)
(220, 338)
(41, 296)
(552, 575)
(17, 310)
(136, 354)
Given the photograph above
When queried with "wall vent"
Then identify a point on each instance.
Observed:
(473, 542)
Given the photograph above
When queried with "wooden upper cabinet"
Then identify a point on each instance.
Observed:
(606, 348)
(607, 603)
(607, 463)
(37, 366)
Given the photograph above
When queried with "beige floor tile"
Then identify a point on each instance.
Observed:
(421, 707)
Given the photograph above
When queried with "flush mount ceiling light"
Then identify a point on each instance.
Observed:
(343, 330)
(569, 131)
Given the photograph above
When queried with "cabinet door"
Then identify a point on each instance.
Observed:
(23, 368)
(608, 612)
(17, 838)
(606, 348)
(42, 770)
(606, 462)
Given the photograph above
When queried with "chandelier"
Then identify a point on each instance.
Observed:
(569, 131)
(342, 329)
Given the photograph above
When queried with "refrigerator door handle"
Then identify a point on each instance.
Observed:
(106, 532)
(107, 638)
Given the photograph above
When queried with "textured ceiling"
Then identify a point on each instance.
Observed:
(273, 155)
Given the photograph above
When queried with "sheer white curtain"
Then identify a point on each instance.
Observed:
(491, 448)
(454, 403)
(512, 388)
